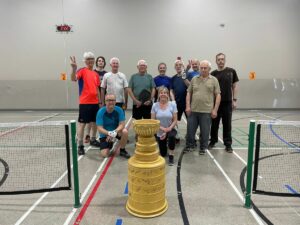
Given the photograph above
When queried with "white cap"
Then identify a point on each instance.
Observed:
(88, 55)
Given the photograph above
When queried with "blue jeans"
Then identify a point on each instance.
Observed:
(202, 120)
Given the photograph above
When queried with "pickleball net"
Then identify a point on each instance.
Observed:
(34, 157)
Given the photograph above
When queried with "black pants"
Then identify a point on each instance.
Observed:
(224, 112)
(170, 140)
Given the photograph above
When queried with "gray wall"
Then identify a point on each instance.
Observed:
(260, 36)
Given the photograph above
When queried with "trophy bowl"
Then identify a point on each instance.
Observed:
(146, 127)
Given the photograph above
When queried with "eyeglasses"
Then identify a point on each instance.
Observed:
(110, 100)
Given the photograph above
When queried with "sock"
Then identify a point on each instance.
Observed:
(80, 142)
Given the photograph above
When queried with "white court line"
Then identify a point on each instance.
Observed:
(45, 194)
(253, 213)
(72, 213)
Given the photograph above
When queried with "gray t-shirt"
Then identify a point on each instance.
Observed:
(140, 82)
(165, 116)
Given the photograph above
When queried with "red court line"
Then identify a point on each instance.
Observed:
(92, 194)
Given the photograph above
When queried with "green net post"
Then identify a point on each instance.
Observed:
(249, 164)
(75, 165)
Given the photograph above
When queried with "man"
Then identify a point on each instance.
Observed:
(200, 105)
(194, 64)
(100, 65)
(89, 83)
(179, 85)
(111, 125)
(115, 82)
(228, 80)
(142, 91)
(163, 80)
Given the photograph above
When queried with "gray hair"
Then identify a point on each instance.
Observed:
(88, 55)
(206, 62)
(114, 59)
(142, 62)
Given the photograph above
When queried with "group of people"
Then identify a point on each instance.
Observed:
(204, 97)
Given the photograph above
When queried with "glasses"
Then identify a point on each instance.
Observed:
(110, 100)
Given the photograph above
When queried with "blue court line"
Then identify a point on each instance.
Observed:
(291, 189)
(119, 222)
(281, 139)
(126, 189)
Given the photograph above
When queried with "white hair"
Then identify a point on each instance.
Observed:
(206, 62)
(142, 62)
(88, 55)
(114, 59)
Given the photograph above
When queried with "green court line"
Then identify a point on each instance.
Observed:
(242, 131)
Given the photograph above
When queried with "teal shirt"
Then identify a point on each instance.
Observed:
(139, 82)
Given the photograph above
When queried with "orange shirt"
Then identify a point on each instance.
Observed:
(89, 83)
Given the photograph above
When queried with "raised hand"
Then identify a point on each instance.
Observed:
(73, 62)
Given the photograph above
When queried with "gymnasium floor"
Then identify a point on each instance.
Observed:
(210, 184)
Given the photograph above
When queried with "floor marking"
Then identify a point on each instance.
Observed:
(93, 192)
(74, 210)
(126, 189)
(45, 194)
(119, 222)
(253, 213)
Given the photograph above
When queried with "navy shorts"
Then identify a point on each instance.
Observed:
(107, 144)
(87, 113)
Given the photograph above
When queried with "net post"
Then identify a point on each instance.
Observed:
(249, 163)
(75, 165)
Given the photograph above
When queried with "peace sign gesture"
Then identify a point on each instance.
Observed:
(73, 63)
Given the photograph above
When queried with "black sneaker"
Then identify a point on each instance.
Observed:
(171, 161)
(124, 154)
(177, 141)
(229, 149)
(202, 151)
(81, 150)
(95, 143)
(211, 145)
(187, 149)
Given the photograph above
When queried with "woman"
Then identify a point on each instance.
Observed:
(166, 112)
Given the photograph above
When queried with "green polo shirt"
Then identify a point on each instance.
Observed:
(203, 91)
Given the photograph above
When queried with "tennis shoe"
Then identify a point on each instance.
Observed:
(95, 143)
(124, 154)
(202, 151)
(229, 149)
(81, 150)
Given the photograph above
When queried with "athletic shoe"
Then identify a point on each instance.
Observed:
(211, 145)
(87, 139)
(177, 140)
(187, 149)
(171, 161)
(95, 143)
(81, 150)
(229, 149)
(202, 151)
(124, 154)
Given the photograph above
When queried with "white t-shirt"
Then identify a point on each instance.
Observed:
(114, 83)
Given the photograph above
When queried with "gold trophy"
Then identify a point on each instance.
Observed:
(146, 173)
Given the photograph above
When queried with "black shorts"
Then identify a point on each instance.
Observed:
(107, 144)
(142, 112)
(87, 113)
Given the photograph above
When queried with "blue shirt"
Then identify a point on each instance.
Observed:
(162, 80)
(179, 89)
(109, 121)
(192, 74)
